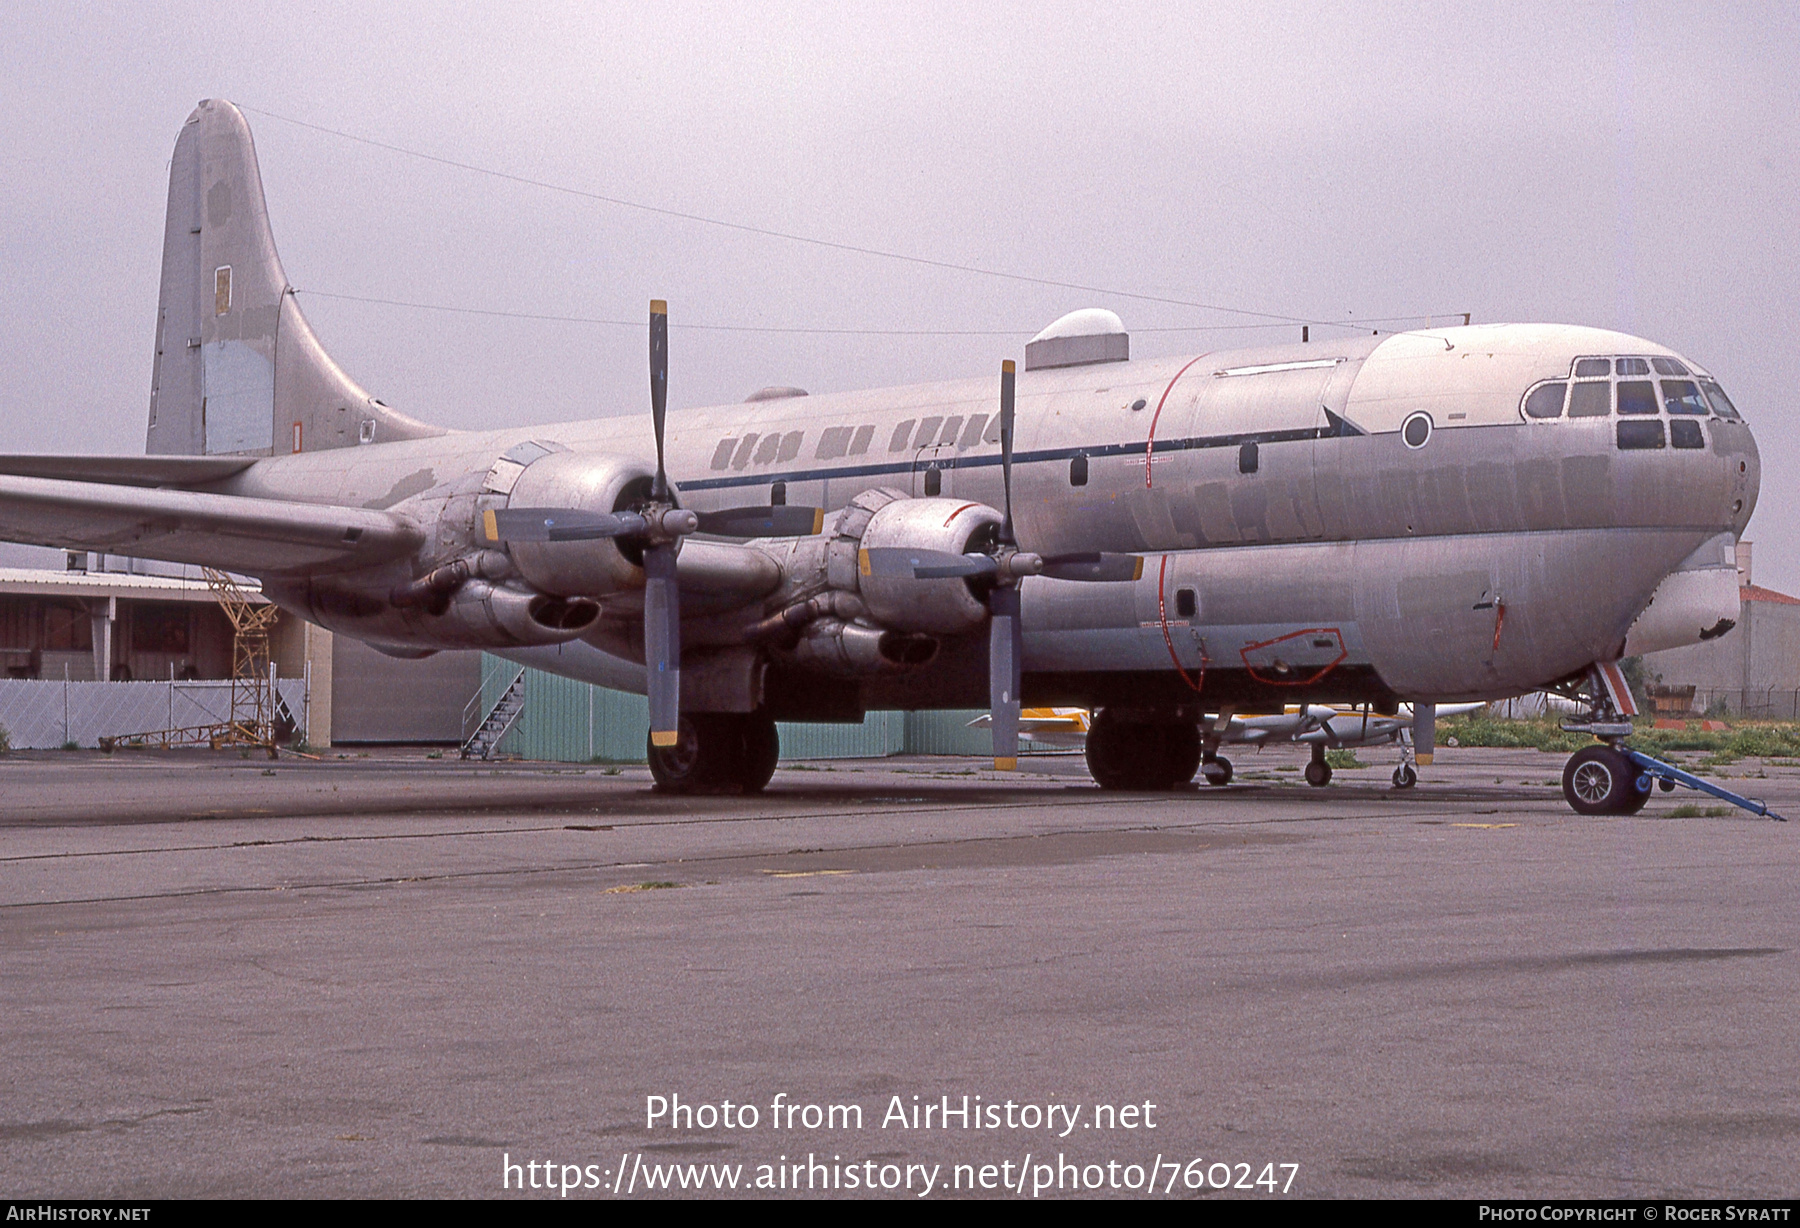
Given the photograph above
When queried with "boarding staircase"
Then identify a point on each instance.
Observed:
(497, 723)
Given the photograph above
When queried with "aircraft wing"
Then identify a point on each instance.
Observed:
(256, 536)
(128, 470)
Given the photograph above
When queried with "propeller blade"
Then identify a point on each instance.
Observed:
(779, 520)
(897, 561)
(1006, 648)
(1094, 567)
(1007, 379)
(557, 524)
(662, 644)
(659, 388)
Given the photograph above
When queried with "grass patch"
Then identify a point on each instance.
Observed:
(1687, 810)
(629, 888)
(1477, 730)
(1344, 759)
(1776, 740)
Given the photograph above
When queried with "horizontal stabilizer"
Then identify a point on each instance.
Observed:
(255, 536)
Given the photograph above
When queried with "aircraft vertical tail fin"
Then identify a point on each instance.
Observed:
(238, 370)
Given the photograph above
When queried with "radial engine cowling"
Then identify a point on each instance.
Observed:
(940, 607)
(591, 483)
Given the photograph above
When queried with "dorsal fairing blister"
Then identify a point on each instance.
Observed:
(238, 370)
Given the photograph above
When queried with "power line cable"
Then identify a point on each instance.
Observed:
(789, 236)
(841, 332)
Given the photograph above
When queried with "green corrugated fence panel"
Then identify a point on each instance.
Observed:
(881, 733)
(574, 722)
(946, 733)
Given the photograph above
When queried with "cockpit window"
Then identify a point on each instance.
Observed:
(1668, 366)
(1682, 396)
(1546, 400)
(1721, 404)
(1590, 367)
(1636, 396)
(1633, 366)
(1591, 400)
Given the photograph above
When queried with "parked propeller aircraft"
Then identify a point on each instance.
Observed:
(1317, 726)
(1429, 516)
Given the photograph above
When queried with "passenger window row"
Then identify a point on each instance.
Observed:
(840, 441)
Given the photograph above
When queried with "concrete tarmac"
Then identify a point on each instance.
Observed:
(399, 976)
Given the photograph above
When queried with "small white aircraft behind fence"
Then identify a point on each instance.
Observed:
(1319, 726)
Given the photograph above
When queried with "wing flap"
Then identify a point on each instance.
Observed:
(255, 536)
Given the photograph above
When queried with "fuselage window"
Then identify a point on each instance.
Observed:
(859, 443)
(743, 452)
(1078, 471)
(1636, 396)
(1249, 457)
(992, 434)
(1546, 400)
(1641, 434)
(972, 433)
(777, 494)
(1634, 366)
(934, 482)
(902, 433)
(771, 444)
(790, 446)
(1590, 400)
(1682, 396)
(1185, 604)
(1588, 368)
(722, 454)
(952, 428)
(1686, 433)
(1721, 404)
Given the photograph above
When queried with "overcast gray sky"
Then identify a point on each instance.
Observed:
(1628, 165)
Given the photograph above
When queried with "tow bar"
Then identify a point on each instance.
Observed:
(1669, 775)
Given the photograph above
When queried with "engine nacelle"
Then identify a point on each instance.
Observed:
(592, 483)
(939, 607)
(494, 615)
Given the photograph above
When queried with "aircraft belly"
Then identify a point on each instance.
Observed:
(1442, 618)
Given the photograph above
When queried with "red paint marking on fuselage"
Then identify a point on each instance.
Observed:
(1150, 443)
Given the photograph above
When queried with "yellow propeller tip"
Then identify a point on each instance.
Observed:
(489, 526)
(659, 307)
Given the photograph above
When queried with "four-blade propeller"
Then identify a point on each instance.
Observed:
(1005, 565)
(656, 527)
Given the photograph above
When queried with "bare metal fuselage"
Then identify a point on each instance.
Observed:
(1297, 545)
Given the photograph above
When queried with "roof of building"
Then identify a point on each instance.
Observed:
(35, 582)
(1752, 592)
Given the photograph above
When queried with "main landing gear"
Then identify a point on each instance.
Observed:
(717, 752)
(1318, 772)
(1145, 753)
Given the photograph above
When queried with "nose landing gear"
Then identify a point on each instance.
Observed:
(1612, 778)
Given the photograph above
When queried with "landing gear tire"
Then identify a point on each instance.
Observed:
(1318, 773)
(1142, 755)
(1602, 780)
(1216, 771)
(1405, 777)
(717, 752)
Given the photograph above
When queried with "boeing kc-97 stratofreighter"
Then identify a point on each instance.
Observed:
(1427, 516)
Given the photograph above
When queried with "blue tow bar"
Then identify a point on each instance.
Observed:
(1656, 769)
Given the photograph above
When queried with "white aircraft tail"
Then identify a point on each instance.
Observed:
(238, 369)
